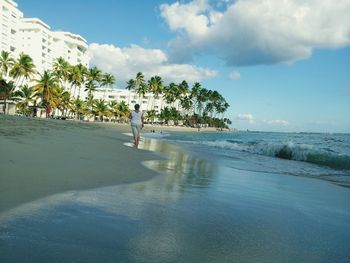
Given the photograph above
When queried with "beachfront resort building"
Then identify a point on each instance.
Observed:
(44, 46)
(130, 98)
(10, 19)
(34, 37)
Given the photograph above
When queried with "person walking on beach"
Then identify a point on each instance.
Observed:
(136, 120)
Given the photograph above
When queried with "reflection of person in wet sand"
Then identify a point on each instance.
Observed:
(136, 121)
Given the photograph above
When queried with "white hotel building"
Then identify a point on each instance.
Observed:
(148, 102)
(34, 37)
(44, 46)
(10, 18)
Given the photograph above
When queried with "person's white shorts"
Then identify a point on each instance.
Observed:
(136, 128)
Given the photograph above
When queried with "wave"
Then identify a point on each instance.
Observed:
(289, 151)
(155, 135)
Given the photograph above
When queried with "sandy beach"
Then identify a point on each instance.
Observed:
(76, 192)
(42, 157)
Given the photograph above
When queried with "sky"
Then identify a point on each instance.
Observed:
(281, 65)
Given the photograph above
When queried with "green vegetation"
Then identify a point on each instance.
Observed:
(58, 91)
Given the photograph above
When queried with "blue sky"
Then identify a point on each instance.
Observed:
(289, 61)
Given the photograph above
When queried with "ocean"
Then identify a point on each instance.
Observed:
(317, 155)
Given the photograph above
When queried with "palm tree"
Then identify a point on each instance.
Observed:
(108, 80)
(202, 97)
(214, 98)
(165, 114)
(100, 108)
(94, 74)
(24, 96)
(64, 101)
(114, 109)
(90, 101)
(22, 68)
(93, 77)
(90, 87)
(139, 82)
(170, 92)
(186, 103)
(124, 111)
(79, 108)
(131, 85)
(184, 88)
(61, 69)
(151, 115)
(46, 87)
(221, 108)
(77, 77)
(6, 63)
(141, 91)
(195, 93)
(6, 92)
(175, 115)
(155, 85)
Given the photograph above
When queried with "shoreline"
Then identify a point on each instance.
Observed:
(161, 128)
(88, 187)
(43, 157)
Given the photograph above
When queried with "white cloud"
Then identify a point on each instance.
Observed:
(245, 117)
(190, 17)
(322, 123)
(124, 63)
(277, 122)
(234, 75)
(257, 32)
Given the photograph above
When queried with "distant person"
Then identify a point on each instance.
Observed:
(136, 121)
(35, 111)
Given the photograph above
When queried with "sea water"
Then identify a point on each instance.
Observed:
(228, 197)
(318, 155)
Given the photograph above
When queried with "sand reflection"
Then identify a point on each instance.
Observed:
(184, 169)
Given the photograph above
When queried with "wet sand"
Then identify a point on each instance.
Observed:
(73, 191)
(42, 157)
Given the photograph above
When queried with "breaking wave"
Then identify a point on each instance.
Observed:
(290, 151)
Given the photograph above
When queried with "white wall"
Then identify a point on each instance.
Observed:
(10, 18)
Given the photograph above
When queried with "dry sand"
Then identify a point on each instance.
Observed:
(40, 157)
